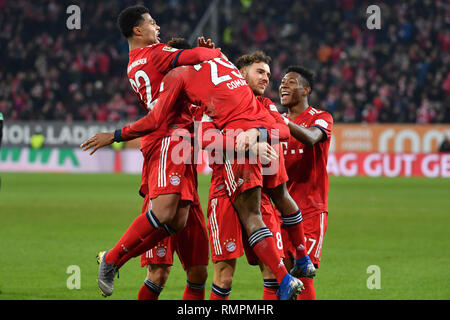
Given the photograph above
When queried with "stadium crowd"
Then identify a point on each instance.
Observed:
(399, 73)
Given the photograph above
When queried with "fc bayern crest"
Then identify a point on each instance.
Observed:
(161, 251)
(174, 179)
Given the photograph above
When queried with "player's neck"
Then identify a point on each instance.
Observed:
(137, 43)
(298, 109)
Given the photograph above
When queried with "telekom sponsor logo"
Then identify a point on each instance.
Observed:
(432, 165)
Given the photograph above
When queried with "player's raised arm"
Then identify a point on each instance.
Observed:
(196, 55)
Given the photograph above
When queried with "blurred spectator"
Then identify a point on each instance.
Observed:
(400, 73)
(445, 145)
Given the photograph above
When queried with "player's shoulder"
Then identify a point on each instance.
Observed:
(320, 113)
(160, 48)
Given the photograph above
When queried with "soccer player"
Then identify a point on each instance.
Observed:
(149, 61)
(159, 259)
(306, 155)
(230, 103)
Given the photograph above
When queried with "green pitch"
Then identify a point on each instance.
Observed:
(53, 222)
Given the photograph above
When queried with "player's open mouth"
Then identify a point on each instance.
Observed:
(284, 94)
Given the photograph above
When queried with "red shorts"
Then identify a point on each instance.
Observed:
(190, 244)
(166, 170)
(240, 177)
(228, 241)
(225, 231)
(315, 227)
(272, 220)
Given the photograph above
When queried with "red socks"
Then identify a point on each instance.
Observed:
(270, 289)
(149, 291)
(266, 250)
(194, 291)
(218, 293)
(294, 226)
(147, 243)
(141, 227)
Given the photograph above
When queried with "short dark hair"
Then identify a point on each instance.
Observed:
(306, 74)
(179, 43)
(249, 59)
(129, 18)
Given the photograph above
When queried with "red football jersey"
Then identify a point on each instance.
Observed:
(218, 88)
(146, 69)
(307, 165)
(225, 96)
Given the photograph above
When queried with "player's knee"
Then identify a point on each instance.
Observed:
(158, 273)
(223, 273)
(165, 207)
(224, 281)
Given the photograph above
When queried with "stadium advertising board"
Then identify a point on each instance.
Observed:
(431, 165)
(388, 138)
(54, 134)
(346, 137)
(55, 160)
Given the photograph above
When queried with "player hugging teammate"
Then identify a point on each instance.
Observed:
(241, 192)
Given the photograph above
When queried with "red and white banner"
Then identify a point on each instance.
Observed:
(430, 165)
(348, 164)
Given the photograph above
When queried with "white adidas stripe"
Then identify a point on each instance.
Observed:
(162, 182)
(230, 175)
(215, 228)
(319, 245)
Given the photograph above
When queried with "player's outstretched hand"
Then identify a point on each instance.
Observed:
(246, 139)
(265, 151)
(201, 42)
(98, 141)
(205, 43)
